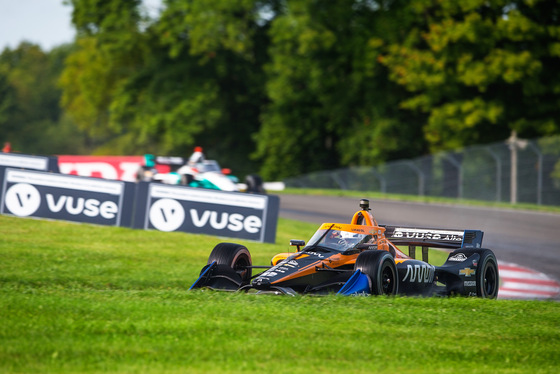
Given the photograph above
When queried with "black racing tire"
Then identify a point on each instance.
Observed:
(380, 267)
(235, 256)
(186, 179)
(144, 174)
(254, 184)
(487, 274)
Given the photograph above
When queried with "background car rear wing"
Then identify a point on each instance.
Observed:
(171, 161)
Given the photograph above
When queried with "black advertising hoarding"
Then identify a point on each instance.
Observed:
(195, 210)
(21, 161)
(16, 160)
(39, 194)
(28, 193)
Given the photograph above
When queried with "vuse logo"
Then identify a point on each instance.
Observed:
(167, 215)
(23, 199)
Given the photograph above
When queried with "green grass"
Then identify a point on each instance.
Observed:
(87, 299)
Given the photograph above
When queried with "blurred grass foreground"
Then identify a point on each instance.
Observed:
(78, 298)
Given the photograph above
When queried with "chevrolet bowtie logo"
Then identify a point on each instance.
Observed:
(467, 272)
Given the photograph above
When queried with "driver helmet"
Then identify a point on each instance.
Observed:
(197, 156)
(333, 237)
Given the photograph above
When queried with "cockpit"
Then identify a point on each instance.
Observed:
(339, 240)
(207, 166)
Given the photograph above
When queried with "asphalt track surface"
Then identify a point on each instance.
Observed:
(529, 239)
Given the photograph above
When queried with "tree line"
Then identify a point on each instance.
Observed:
(285, 87)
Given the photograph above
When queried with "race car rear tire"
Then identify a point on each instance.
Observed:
(254, 184)
(380, 267)
(487, 276)
(235, 256)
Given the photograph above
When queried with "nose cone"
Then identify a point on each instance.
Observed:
(261, 283)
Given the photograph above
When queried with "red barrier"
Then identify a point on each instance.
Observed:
(108, 167)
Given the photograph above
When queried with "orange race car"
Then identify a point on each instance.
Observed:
(361, 258)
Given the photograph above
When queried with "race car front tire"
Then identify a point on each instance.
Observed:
(186, 179)
(235, 256)
(380, 267)
(254, 184)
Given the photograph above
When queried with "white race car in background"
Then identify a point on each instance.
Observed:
(197, 172)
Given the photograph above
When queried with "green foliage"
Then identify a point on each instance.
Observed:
(287, 87)
(480, 69)
(7, 104)
(551, 146)
(30, 116)
(109, 18)
(109, 49)
(330, 102)
(206, 28)
(191, 77)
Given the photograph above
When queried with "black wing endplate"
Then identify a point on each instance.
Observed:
(218, 277)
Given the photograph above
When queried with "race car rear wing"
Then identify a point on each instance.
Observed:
(438, 238)
(435, 238)
(172, 161)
